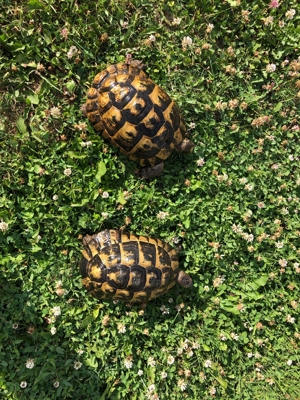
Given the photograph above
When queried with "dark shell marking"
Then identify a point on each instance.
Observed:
(135, 114)
(127, 267)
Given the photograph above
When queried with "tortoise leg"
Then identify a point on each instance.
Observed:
(150, 172)
(186, 146)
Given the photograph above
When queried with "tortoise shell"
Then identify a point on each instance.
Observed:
(135, 114)
(118, 265)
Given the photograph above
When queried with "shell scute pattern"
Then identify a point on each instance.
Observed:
(135, 114)
(127, 267)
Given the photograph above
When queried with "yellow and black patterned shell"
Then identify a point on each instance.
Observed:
(118, 265)
(135, 114)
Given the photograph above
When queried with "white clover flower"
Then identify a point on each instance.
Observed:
(170, 360)
(77, 364)
(187, 41)
(192, 125)
(282, 262)
(151, 362)
(121, 328)
(290, 13)
(15, 326)
(55, 197)
(162, 215)
(289, 362)
(249, 187)
(234, 336)
(243, 180)
(176, 21)
(30, 363)
(104, 214)
(128, 363)
(279, 245)
(182, 384)
(152, 38)
(223, 337)
(206, 288)
(55, 112)
(72, 52)
(3, 226)
(56, 311)
(165, 310)
(140, 372)
(151, 388)
(67, 171)
(290, 319)
(209, 28)
(164, 374)
(200, 162)
(212, 391)
(270, 68)
(53, 330)
(105, 195)
(56, 384)
(23, 384)
(207, 363)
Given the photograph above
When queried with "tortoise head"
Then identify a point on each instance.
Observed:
(184, 279)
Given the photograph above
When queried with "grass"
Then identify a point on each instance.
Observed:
(232, 207)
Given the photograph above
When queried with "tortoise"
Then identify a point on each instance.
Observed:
(137, 116)
(124, 266)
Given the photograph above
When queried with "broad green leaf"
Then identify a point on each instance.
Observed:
(37, 169)
(35, 5)
(73, 154)
(121, 198)
(221, 381)
(101, 170)
(21, 125)
(82, 203)
(95, 313)
(33, 99)
(278, 107)
(205, 347)
(70, 85)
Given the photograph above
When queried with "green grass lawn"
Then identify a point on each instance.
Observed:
(231, 207)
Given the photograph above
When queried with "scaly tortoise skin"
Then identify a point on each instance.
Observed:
(119, 265)
(137, 116)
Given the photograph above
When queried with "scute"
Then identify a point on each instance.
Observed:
(127, 267)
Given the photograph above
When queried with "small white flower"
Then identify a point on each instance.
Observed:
(23, 384)
(207, 364)
(53, 330)
(140, 372)
(152, 38)
(121, 328)
(72, 52)
(80, 351)
(243, 180)
(56, 311)
(67, 171)
(249, 355)
(192, 125)
(15, 326)
(234, 336)
(279, 245)
(164, 374)
(105, 195)
(104, 214)
(271, 68)
(30, 363)
(151, 388)
(223, 337)
(290, 13)
(128, 363)
(282, 263)
(77, 364)
(290, 319)
(249, 187)
(209, 28)
(165, 310)
(206, 288)
(200, 162)
(170, 360)
(212, 391)
(3, 226)
(56, 384)
(187, 41)
(151, 362)
(162, 215)
(176, 21)
(289, 362)
(55, 197)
